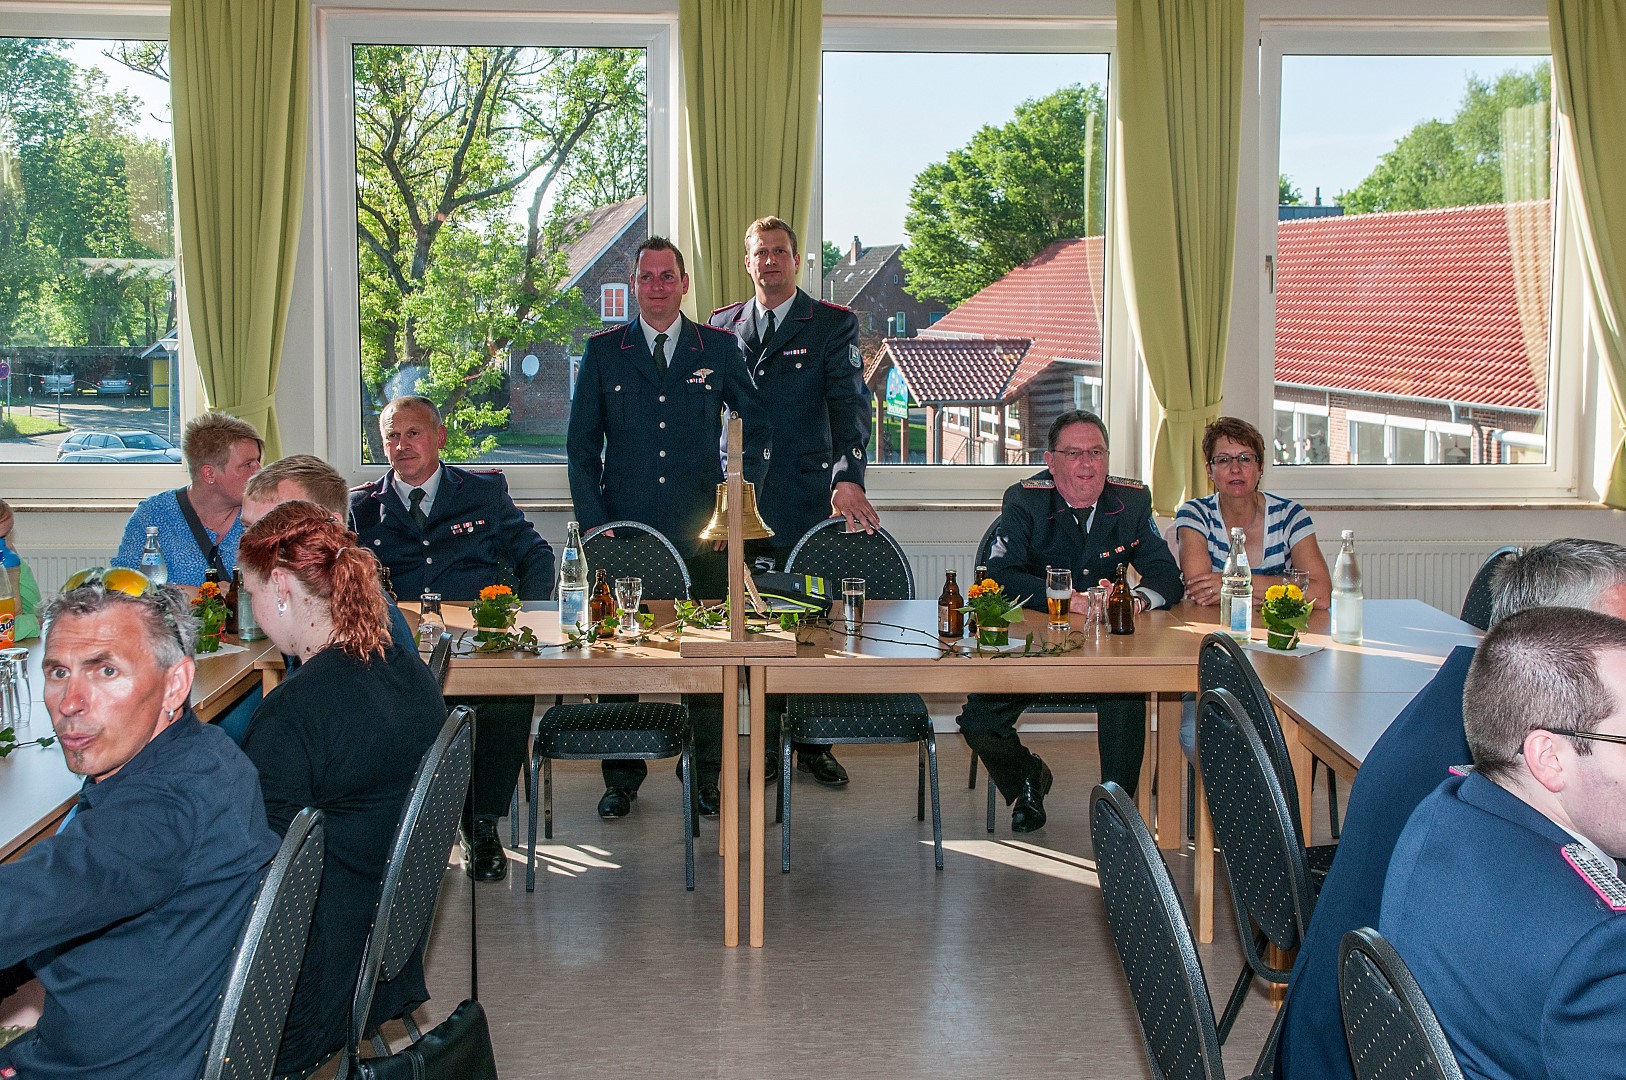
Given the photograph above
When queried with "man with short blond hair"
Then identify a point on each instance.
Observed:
(297, 476)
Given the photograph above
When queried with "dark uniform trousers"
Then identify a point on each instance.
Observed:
(1038, 529)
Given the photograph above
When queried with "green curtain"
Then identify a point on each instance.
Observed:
(1589, 86)
(751, 76)
(1180, 100)
(239, 73)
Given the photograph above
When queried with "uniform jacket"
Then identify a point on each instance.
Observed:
(811, 377)
(1519, 954)
(645, 448)
(1414, 755)
(1037, 529)
(475, 536)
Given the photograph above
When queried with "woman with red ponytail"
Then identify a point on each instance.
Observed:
(343, 733)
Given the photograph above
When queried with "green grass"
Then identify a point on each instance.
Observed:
(522, 438)
(21, 427)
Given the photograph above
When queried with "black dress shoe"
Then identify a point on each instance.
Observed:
(710, 799)
(1028, 813)
(483, 856)
(824, 767)
(617, 802)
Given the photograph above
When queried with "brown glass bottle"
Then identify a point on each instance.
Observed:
(1121, 605)
(601, 605)
(384, 580)
(950, 619)
(971, 616)
(232, 594)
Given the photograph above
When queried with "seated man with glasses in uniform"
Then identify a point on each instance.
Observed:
(130, 913)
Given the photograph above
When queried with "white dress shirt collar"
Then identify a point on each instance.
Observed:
(672, 333)
(780, 314)
(430, 487)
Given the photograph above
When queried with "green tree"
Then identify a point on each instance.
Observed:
(1499, 130)
(1288, 194)
(830, 255)
(997, 201)
(449, 142)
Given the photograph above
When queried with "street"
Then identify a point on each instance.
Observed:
(81, 411)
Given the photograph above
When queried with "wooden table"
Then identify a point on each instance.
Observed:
(898, 653)
(36, 788)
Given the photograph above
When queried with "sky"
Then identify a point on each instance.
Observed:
(154, 121)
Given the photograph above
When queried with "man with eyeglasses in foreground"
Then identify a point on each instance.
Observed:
(1070, 515)
(1503, 895)
(130, 913)
(1417, 752)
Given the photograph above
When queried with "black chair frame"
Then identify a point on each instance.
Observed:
(1476, 603)
(1391, 1029)
(671, 583)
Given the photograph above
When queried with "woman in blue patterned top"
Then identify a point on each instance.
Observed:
(221, 453)
(1280, 535)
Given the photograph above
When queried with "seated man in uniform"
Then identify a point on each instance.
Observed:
(1503, 895)
(1074, 515)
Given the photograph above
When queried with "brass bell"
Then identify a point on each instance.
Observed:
(752, 525)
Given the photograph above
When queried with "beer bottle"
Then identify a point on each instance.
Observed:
(971, 616)
(601, 606)
(950, 619)
(231, 600)
(1121, 604)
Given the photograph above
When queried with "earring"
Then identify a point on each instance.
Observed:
(282, 605)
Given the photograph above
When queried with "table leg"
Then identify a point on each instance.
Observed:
(754, 757)
(1169, 824)
(728, 830)
(1148, 767)
(1203, 868)
(1299, 755)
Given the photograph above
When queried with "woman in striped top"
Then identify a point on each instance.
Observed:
(1280, 535)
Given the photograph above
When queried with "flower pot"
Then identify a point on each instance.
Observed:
(208, 643)
(1284, 639)
(993, 636)
(483, 634)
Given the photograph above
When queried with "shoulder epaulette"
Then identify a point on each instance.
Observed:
(1037, 484)
(715, 329)
(1602, 879)
(607, 333)
(727, 307)
(1124, 481)
(828, 304)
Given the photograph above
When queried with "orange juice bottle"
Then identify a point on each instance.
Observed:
(8, 609)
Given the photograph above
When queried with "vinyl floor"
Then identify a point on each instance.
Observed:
(876, 966)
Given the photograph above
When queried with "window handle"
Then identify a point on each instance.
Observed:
(1270, 273)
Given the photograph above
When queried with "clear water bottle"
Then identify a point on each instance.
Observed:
(1347, 598)
(573, 590)
(248, 627)
(152, 559)
(430, 623)
(1236, 590)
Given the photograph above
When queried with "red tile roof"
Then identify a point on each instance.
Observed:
(957, 370)
(1422, 303)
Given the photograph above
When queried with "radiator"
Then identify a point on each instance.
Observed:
(53, 568)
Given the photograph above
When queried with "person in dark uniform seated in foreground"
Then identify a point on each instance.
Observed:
(1414, 755)
(1503, 896)
(1074, 515)
(452, 531)
(804, 356)
(343, 733)
(129, 914)
(645, 424)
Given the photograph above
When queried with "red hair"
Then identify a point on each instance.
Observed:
(303, 539)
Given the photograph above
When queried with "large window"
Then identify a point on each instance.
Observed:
(964, 209)
(1412, 279)
(88, 346)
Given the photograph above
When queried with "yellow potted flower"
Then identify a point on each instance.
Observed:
(994, 611)
(1285, 613)
(494, 612)
(209, 607)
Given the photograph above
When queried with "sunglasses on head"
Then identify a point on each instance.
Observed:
(112, 579)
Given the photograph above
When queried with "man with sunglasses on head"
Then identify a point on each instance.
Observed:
(1070, 515)
(129, 914)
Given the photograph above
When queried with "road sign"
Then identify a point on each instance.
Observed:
(5, 369)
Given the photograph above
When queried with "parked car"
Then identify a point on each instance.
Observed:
(57, 382)
(113, 384)
(103, 442)
(81, 456)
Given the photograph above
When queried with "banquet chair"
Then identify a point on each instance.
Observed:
(619, 728)
(1155, 947)
(1476, 605)
(1390, 1026)
(440, 660)
(260, 986)
(1265, 862)
(1223, 665)
(828, 550)
(417, 864)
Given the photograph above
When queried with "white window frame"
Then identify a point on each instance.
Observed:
(1518, 33)
(1030, 27)
(340, 27)
(47, 481)
(619, 290)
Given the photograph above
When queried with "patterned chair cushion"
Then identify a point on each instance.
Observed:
(857, 718)
(631, 729)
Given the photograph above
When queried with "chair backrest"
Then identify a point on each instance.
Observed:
(1154, 942)
(636, 550)
(985, 546)
(1222, 664)
(254, 1003)
(1264, 858)
(1476, 606)
(424, 836)
(440, 660)
(828, 550)
(1391, 1028)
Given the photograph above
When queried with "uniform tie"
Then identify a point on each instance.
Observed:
(660, 354)
(415, 497)
(768, 336)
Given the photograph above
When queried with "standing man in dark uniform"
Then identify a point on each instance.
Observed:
(804, 356)
(1074, 515)
(451, 531)
(645, 423)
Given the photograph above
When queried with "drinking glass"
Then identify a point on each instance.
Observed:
(16, 699)
(1095, 614)
(629, 592)
(1058, 595)
(1301, 578)
(852, 603)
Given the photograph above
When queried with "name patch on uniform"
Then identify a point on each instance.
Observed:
(1036, 484)
(463, 528)
(700, 375)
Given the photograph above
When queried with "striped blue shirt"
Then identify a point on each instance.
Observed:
(1286, 523)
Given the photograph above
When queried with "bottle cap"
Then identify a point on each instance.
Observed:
(1349, 534)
